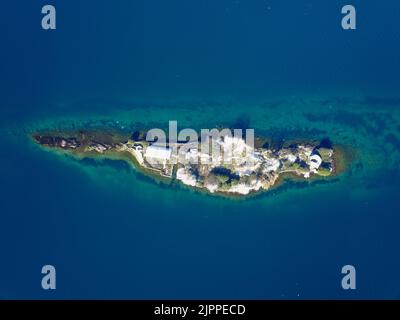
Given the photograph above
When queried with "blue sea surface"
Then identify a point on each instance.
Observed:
(285, 68)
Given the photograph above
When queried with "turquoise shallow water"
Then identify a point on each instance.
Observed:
(285, 68)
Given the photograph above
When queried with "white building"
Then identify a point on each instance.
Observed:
(158, 153)
(315, 161)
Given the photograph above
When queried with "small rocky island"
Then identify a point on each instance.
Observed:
(249, 168)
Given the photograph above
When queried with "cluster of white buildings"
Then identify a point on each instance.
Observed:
(234, 154)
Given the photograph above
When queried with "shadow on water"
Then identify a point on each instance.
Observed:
(326, 143)
(242, 122)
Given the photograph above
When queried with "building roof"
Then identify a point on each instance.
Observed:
(158, 152)
(315, 161)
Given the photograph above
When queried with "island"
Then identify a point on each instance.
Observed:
(244, 170)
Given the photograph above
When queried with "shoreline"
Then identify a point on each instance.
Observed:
(342, 157)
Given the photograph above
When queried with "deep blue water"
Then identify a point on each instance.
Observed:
(112, 233)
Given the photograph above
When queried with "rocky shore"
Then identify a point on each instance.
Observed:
(239, 169)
